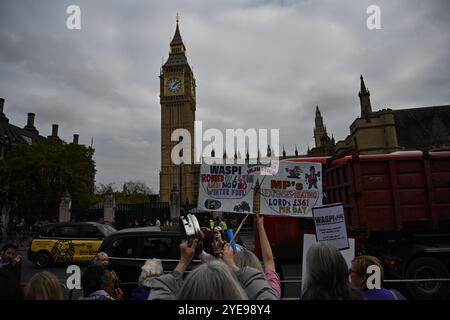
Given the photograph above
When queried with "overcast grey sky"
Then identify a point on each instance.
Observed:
(258, 64)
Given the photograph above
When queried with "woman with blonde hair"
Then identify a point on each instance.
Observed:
(102, 259)
(359, 278)
(43, 286)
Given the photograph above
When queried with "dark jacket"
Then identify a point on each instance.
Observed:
(382, 294)
(140, 293)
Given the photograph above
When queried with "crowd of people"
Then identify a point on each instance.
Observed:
(228, 272)
(20, 230)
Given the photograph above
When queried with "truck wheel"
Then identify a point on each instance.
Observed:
(427, 268)
(43, 259)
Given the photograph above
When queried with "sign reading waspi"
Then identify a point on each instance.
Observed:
(330, 225)
(226, 188)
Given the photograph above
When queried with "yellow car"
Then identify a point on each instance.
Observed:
(67, 242)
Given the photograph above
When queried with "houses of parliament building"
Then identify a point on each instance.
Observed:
(373, 132)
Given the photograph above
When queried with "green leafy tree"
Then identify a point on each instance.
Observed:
(4, 185)
(37, 175)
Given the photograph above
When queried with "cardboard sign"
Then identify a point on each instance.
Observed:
(330, 225)
(225, 188)
(309, 239)
(293, 191)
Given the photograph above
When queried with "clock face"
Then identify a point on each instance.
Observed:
(174, 84)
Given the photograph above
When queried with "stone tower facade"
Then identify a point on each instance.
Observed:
(177, 99)
(324, 144)
(364, 100)
(319, 130)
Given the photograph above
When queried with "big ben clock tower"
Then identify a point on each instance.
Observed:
(177, 98)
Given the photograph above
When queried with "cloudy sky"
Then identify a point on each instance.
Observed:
(258, 64)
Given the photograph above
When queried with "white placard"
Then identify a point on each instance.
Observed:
(225, 188)
(330, 225)
(309, 239)
(293, 191)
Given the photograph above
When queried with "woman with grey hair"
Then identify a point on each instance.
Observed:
(326, 276)
(150, 270)
(212, 281)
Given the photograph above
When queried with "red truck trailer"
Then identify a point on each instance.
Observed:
(397, 207)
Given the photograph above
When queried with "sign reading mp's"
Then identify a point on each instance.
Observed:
(293, 191)
(225, 188)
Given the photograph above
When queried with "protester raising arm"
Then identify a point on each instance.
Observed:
(251, 279)
(269, 262)
(187, 253)
(165, 287)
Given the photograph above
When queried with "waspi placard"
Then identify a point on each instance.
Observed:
(225, 188)
(330, 225)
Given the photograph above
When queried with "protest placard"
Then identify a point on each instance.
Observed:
(226, 188)
(330, 225)
(293, 191)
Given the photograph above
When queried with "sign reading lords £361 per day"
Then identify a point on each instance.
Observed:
(225, 188)
(293, 191)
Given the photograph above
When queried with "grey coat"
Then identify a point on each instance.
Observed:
(167, 286)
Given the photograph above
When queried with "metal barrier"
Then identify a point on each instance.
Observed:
(22, 240)
(295, 284)
(68, 293)
(417, 280)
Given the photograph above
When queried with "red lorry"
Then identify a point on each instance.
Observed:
(397, 207)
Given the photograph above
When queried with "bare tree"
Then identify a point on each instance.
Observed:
(136, 188)
(103, 189)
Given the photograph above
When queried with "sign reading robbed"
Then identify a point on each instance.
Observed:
(225, 188)
(330, 225)
(293, 191)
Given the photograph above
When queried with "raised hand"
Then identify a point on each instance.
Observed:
(228, 257)
(260, 219)
(187, 252)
